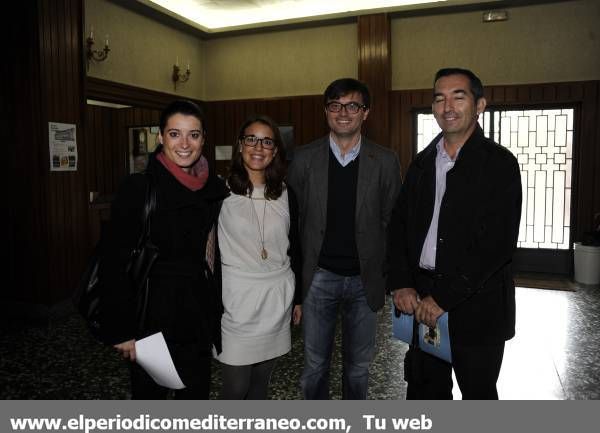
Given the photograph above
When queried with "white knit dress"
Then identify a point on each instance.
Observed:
(257, 293)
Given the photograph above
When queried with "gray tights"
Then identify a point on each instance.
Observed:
(246, 382)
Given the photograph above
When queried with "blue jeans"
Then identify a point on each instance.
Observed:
(359, 322)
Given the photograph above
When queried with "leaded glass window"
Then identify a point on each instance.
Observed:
(542, 142)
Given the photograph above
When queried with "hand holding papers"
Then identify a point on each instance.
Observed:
(152, 354)
(434, 341)
(402, 325)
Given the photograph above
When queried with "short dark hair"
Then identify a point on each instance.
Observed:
(475, 83)
(181, 106)
(343, 86)
(238, 179)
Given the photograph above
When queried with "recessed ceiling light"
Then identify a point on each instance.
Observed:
(219, 15)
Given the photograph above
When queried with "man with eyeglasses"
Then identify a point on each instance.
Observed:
(346, 186)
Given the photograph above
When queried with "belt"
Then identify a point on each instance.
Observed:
(426, 280)
(429, 273)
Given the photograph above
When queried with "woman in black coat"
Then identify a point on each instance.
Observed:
(181, 302)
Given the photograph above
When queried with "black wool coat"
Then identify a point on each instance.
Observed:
(181, 303)
(477, 234)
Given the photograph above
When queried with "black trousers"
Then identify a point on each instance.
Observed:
(476, 367)
(193, 367)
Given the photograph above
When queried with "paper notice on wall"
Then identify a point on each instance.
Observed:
(62, 139)
(223, 153)
(152, 354)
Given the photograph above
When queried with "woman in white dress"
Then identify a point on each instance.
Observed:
(260, 259)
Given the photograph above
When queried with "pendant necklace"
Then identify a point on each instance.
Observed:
(261, 231)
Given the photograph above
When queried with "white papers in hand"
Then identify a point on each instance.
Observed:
(152, 354)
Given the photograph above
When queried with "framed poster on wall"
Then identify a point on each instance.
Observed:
(142, 142)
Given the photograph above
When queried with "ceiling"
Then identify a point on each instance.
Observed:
(226, 16)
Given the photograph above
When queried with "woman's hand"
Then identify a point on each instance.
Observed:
(126, 349)
(297, 314)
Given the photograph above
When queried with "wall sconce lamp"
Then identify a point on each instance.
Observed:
(178, 76)
(95, 55)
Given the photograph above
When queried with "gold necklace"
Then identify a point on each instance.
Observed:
(263, 253)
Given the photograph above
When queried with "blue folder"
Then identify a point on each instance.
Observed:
(436, 342)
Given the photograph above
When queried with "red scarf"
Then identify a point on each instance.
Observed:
(195, 179)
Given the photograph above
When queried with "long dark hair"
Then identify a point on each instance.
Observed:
(239, 181)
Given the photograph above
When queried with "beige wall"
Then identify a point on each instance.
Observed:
(284, 63)
(544, 43)
(143, 51)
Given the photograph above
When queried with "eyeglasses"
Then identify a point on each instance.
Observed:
(351, 107)
(252, 141)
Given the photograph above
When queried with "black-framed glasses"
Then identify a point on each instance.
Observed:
(253, 140)
(351, 107)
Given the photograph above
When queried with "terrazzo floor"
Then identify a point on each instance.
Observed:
(553, 356)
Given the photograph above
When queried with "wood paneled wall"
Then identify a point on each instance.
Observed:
(107, 132)
(304, 113)
(106, 157)
(107, 135)
(18, 189)
(374, 68)
(586, 159)
(47, 208)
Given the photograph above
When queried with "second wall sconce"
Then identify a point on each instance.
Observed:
(95, 55)
(178, 76)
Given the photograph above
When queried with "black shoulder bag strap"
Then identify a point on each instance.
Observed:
(149, 207)
(144, 255)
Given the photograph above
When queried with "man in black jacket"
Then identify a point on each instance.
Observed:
(453, 234)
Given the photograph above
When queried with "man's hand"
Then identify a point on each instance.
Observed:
(428, 312)
(406, 300)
